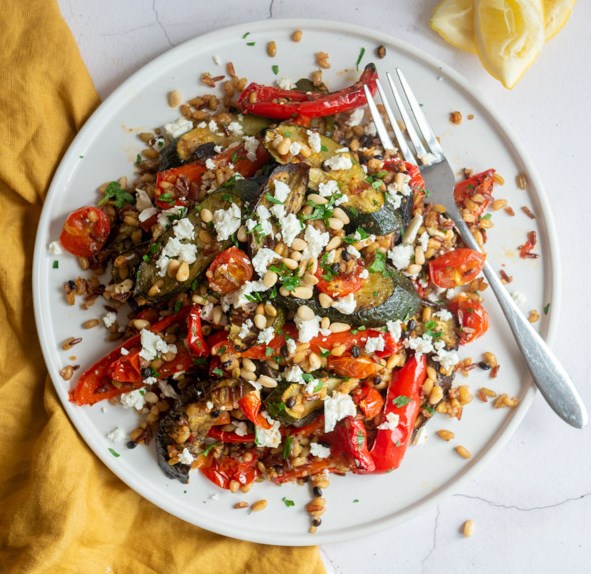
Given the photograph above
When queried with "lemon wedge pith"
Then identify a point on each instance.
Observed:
(509, 35)
(556, 14)
(453, 20)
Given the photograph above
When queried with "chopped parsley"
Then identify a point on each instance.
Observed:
(269, 351)
(378, 265)
(245, 35)
(275, 69)
(138, 159)
(116, 195)
(287, 446)
(56, 264)
(360, 439)
(177, 305)
(250, 43)
(114, 453)
(272, 199)
(307, 377)
(431, 329)
(323, 148)
(546, 308)
(400, 401)
(324, 352)
(355, 500)
(288, 502)
(359, 58)
(218, 372)
(208, 449)
(359, 235)
(318, 386)
(254, 297)
(166, 198)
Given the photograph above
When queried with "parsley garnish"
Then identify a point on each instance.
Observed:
(218, 372)
(307, 377)
(177, 305)
(56, 264)
(275, 69)
(318, 386)
(359, 58)
(287, 445)
(166, 198)
(254, 297)
(431, 329)
(323, 148)
(288, 502)
(208, 449)
(272, 199)
(250, 43)
(360, 439)
(114, 453)
(546, 308)
(199, 361)
(324, 352)
(359, 235)
(116, 195)
(378, 265)
(355, 500)
(269, 351)
(292, 282)
(400, 401)
(245, 35)
(138, 159)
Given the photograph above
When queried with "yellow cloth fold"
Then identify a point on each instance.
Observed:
(61, 509)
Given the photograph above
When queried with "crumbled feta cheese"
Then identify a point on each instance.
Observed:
(447, 359)
(238, 298)
(183, 229)
(343, 199)
(266, 336)
(356, 117)
(427, 158)
(213, 127)
(116, 435)
(424, 241)
(207, 312)
(210, 164)
(339, 162)
(209, 405)
(290, 227)
(174, 248)
(226, 221)
(391, 422)
(370, 130)
(353, 252)
(401, 255)
(316, 240)
(294, 374)
(167, 390)
(271, 437)
(216, 60)
(145, 214)
(165, 215)
(240, 428)
(186, 457)
(328, 188)
(314, 141)
(124, 351)
(394, 198)
(291, 346)
(364, 274)
(519, 297)
(285, 84)
(374, 344)
(318, 450)
(346, 304)
(109, 319)
(178, 128)
(264, 216)
(218, 148)
(395, 329)
(142, 200)
(54, 248)
(263, 259)
(251, 144)
(133, 400)
(282, 191)
(153, 345)
(295, 148)
(443, 314)
(235, 128)
(307, 329)
(337, 407)
(245, 329)
(420, 345)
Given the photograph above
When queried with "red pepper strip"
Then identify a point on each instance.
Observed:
(480, 184)
(251, 405)
(389, 446)
(356, 367)
(350, 438)
(96, 384)
(223, 471)
(230, 437)
(269, 104)
(369, 400)
(195, 341)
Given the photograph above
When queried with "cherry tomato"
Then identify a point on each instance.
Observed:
(222, 471)
(472, 317)
(416, 182)
(229, 271)
(480, 185)
(250, 404)
(340, 285)
(358, 368)
(457, 267)
(85, 231)
(369, 400)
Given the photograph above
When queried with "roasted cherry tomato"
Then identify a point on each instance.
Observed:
(358, 368)
(250, 404)
(340, 285)
(478, 189)
(369, 400)
(222, 471)
(85, 231)
(472, 317)
(229, 271)
(457, 267)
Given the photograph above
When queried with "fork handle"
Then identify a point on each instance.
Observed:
(548, 374)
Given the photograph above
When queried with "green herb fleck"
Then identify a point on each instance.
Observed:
(208, 448)
(288, 502)
(378, 265)
(307, 377)
(291, 283)
(256, 297)
(218, 372)
(245, 35)
(360, 438)
(116, 195)
(324, 352)
(138, 159)
(268, 351)
(546, 308)
(323, 148)
(355, 500)
(177, 305)
(56, 264)
(318, 386)
(400, 401)
(250, 43)
(487, 216)
(359, 58)
(114, 453)
(287, 446)
(166, 198)
(275, 69)
(272, 199)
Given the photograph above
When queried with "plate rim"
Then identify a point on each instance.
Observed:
(552, 281)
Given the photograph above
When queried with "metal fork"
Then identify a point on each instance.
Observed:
(547, 372)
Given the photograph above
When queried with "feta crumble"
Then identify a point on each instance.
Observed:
(316, 240)
(240, 428)
(282, 191)
(395, 329)
(374, 344)
(251, 144)
(186, 457)
(295, 148)
(263, 258)
(285, 84)
(116, 435)
(266, 336)
(235, 128)
(54, 248)
(391, 422)
(401, 255)
(245, 329)
(443, 314)
(447, 359)
(226, 221)
(210, 164)
(294, 374)
(328, 188)
(291, 346)
(178, 128)
(339, 162)
(314, 141)
(268, 437)
(427, 158)
(290, 227)
(356, 117)
(153, 345)
(346, 304)
(319, 450)
(167, 390)
(307, 329)
(133, 400)
(337, 407)
(109, 319)
(420, 345)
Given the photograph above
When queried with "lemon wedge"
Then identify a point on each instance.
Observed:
(453, 20)
(556, 14)
(509, 36)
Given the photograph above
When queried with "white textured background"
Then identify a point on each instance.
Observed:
(532, 504)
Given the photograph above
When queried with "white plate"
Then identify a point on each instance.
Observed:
(106, 148)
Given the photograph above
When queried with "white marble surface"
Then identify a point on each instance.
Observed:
(532, 504)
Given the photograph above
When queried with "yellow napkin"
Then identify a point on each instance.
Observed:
(61, 509)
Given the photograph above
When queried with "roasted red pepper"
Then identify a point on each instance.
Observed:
(403, 399)
(195, 341)
(250, 404)
(96, 383)
(479, 185)
(230, 437)
(350, 438)
(357, 367)
(369, 400)
(280, 104)
(223, 471)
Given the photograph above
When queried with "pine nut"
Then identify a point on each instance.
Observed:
(310, 279)
(248, 375)
(318, 199)
(258, 505)
(241, 504)
(270, 310)
(463, 451)
(340, 214)
(339, 327)
(446, 435)
(335, 223)
(270, 279)
(183, 272)
(248, 365)
(324, 323)
(436, 395)
(325, 300)
(499, 204)
(305, 313)
(303, 292)
(419, 255)
(299, 244)
(217, 314)
(173, 267)
(315, 361)
(296, 256)
(468, 528)
(260, 321)
(206, 215)
(272, 49)
(267, 382)
(174, 98)
(338, 350)
(283, 147)
(290, 263)
(140, 324)
(498, 178)
(334, 243)
(241, 234)
(296, 36)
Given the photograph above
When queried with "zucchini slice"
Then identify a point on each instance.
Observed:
(384, 296)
